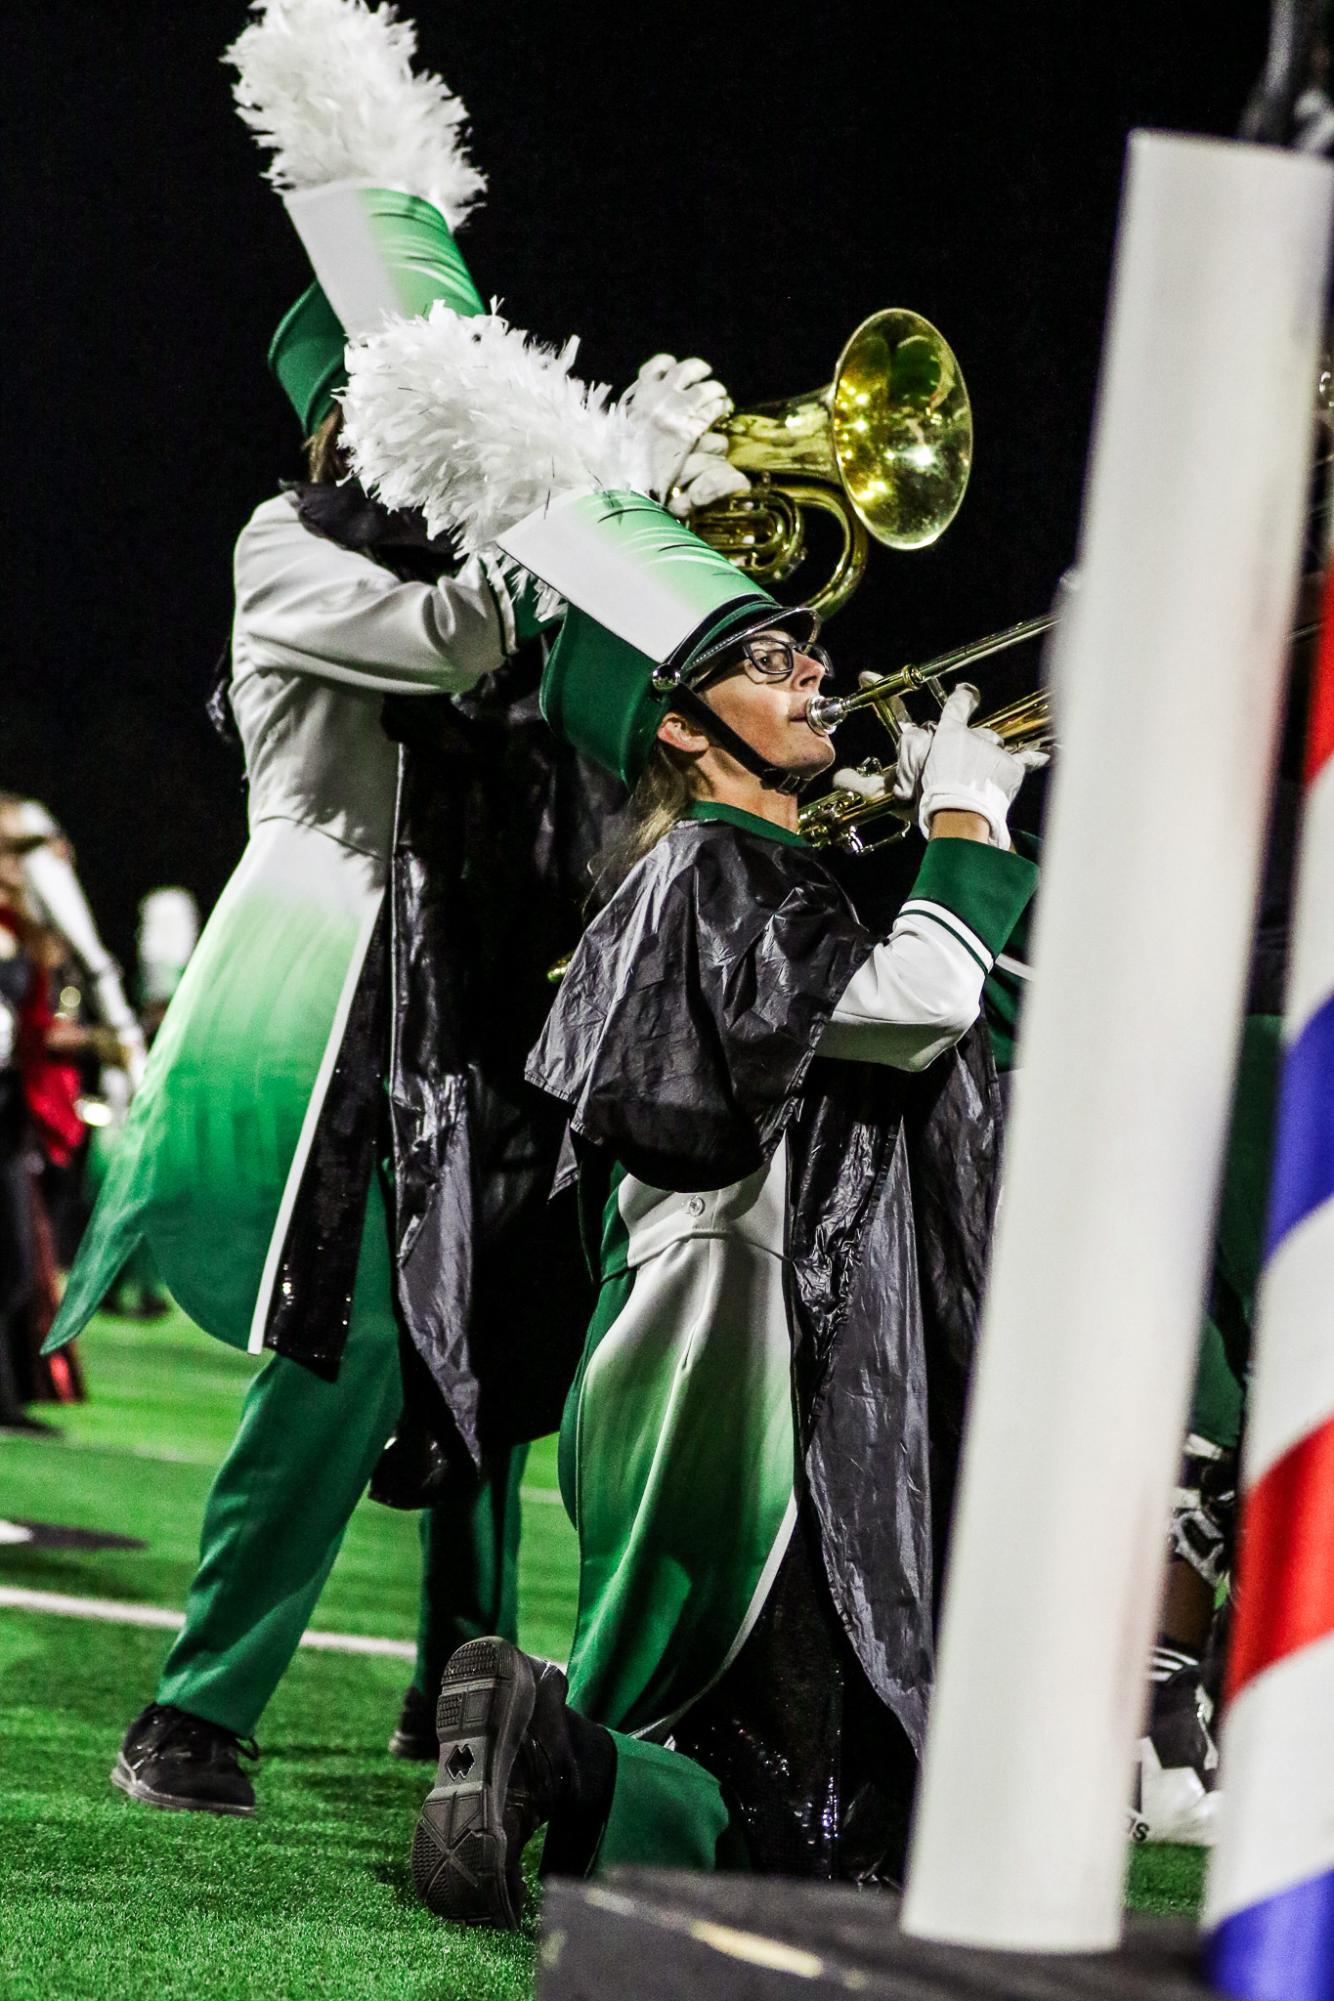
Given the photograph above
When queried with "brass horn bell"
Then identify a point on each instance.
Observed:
(886, 448)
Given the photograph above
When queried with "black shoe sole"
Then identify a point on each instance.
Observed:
(461, 1865)
(123, 1776)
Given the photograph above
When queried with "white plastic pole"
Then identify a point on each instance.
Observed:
(1171, 674)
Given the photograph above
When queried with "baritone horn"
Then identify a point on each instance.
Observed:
(886, 448)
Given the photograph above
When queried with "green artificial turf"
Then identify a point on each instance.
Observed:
(101, 1898)
(105, 1899)
(138, 1457)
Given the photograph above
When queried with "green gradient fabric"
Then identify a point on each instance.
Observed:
(412, 246)
(418, 248)
(201, 1169)
(691, 1339)
(644, 590)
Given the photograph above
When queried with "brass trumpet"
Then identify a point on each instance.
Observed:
(885, 448)
(837, 820)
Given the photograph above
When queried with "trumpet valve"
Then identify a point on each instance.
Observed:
(864, 781)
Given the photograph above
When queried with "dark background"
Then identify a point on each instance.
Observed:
(743, 182)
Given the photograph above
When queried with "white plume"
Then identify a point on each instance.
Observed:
(329, 86)
(477, 425)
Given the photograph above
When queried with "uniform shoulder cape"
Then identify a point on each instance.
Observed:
(689, 1015)
(683, 1044)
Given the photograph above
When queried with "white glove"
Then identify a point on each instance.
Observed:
(673, 403)
(705, 477)
(915, 740)
(866, 784)
(970, 770)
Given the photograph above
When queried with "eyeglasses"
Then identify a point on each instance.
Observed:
(770, 659)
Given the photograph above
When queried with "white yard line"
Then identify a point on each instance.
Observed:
(114, 1612)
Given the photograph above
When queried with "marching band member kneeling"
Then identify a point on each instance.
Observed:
(785, 1130)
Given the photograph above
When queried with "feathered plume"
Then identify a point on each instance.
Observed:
(477, 425)
(329, 86)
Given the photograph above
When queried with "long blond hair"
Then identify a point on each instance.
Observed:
(326, 461)
(661, 798)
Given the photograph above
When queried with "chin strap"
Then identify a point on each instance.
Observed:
(771, 776)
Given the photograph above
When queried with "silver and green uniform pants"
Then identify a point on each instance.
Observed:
(281, 1503)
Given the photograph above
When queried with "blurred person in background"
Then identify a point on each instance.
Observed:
(49, 1055)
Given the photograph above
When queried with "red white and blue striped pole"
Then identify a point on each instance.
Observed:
(1270, 1908)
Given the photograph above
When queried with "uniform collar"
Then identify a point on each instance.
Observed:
(750, 823)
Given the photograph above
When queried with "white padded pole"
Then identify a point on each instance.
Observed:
(1170, 688)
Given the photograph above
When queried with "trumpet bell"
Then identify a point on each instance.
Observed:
(902, 429)
(886, 448)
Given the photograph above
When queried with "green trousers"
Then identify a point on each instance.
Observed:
(282, 1500)
(667, 1812)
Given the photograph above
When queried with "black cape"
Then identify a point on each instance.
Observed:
(683, 1044)
(495, 826)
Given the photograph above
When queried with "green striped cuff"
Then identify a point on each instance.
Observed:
(986, 888)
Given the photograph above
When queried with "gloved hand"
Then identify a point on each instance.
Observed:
(915, 740)
(866, 784)
(705, 477)
(970, 770)
(675, 403)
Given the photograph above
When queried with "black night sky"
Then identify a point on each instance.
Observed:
(743, 182)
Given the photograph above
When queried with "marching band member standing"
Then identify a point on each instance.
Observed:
(330, 1019)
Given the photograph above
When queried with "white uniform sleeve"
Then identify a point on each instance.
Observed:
(914, 997)
(306, 605)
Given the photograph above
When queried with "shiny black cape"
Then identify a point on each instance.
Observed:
(495, 823)
(683, 1044)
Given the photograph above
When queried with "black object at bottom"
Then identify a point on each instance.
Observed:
(659, 1934)
(470, 1834)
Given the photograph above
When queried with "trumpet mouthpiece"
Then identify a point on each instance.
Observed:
(824, 713)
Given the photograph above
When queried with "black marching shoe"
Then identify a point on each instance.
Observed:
(184, 1763)
(511, 1752)
(1176, 1773)
(414, 1733)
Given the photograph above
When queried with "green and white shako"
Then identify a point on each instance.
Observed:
(650, 605)
(374, 251)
